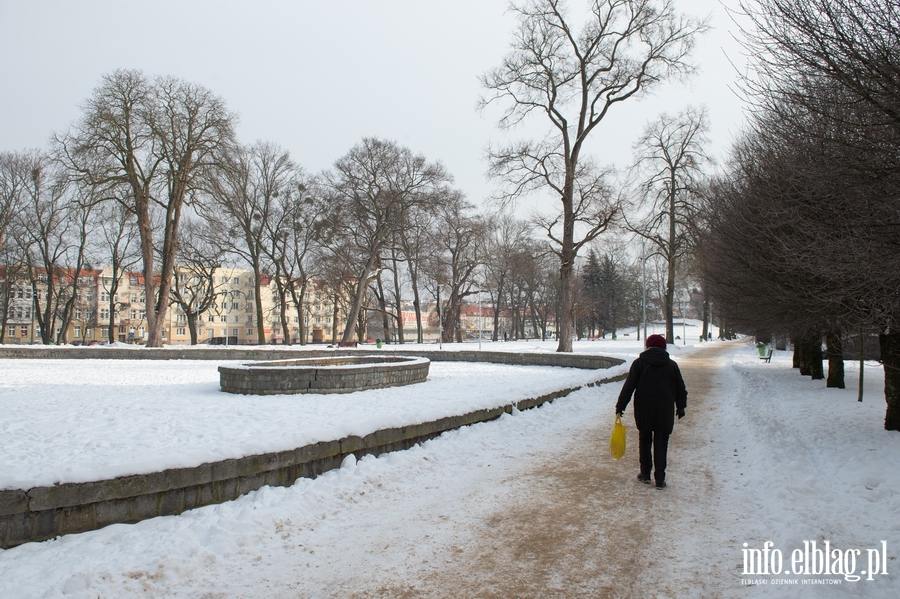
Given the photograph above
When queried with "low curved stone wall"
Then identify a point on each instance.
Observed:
(250, 352)
(332, 374)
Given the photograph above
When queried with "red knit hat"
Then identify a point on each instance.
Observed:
(656, 341)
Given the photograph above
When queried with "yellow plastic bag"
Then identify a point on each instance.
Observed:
(617, 440)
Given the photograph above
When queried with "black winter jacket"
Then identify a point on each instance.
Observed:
(658, 389)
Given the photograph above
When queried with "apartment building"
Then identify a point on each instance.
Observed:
(224, 309)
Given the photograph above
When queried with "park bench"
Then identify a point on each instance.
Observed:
(347, 344)
(767, 357)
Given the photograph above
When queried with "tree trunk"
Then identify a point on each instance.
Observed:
(566, 300)
(285, 325)
(814, 353)
(706, 314)
(356, 306)
(835, 351)
(803, 358)
(382, 306)
(257, 300)
(335, 312)
(400, 339)
(798, 350)
(192, 326)
(890, 357)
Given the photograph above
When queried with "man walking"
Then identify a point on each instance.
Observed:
(659, 394)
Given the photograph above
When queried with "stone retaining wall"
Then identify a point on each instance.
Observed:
(332, 374)
(250, 352)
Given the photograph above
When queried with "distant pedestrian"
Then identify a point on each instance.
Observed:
(659, 394)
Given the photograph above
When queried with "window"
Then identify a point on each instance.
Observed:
(104, 296)
(78, 313)
(210, 318)
(249, 332)
(223, 319)
(235, 318)
(134, 298)
(77, 332)
(23, 332)
(234, 332)
(235, 306)
(134, 315)
(88, 333)
(104, 314)
(209, 333)
(181, 331)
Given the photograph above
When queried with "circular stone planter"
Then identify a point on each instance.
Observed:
(338, 374)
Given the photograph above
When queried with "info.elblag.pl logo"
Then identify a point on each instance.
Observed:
(813, 560)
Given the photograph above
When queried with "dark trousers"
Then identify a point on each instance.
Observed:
(653, 449)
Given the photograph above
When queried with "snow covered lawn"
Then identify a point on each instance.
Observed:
(83, 420)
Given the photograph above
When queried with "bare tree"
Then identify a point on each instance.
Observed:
(15, 173)
(459, 235)
(573, 78)
(800, 45)
(245, 199)
(14, 179)
(291, 236)
(670, 158)
(194, 288)
(373, 187)
(827, 79)
(155, 138)
(416, 247)
(116, 242)
(503, 244)
(42, 236)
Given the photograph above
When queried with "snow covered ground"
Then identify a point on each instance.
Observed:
(792, 462)
(76, 421)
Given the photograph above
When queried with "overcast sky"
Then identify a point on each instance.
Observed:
(317, 76)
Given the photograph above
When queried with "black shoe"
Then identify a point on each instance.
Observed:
(644, 478)
(660, 484)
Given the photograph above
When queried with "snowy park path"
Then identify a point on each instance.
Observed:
(584, 527)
